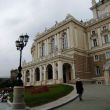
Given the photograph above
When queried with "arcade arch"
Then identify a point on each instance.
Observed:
(49, 71)
(67, 72)
(37, 74)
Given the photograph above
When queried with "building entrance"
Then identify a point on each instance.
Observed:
(49, 72)
(66, 73)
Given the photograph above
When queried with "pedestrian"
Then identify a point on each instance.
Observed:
(79, 88)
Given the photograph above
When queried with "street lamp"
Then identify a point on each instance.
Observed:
(20, 44)
(18, 94)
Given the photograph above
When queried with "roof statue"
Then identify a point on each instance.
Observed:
(69, 16)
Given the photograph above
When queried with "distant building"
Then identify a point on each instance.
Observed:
(14, 73)
(71, 49)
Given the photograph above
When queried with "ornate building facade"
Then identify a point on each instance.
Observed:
(71, 49)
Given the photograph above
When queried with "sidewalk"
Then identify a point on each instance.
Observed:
(62, 101)
(96, 97)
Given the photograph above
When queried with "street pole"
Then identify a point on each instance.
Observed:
(18, 94)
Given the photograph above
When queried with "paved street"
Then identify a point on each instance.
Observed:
(96, 97)
(3, 106)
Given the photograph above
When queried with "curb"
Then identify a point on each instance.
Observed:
(60, 102)
(63, 103)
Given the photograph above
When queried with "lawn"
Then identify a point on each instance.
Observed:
(54, 92)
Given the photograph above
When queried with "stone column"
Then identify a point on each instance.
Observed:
(59, 43)
(33, 76)
(68, 37)
(109, 26)
(60, 72)
(99, 38)
(30, 71)
(107, 77)
(38, 50)
(24, 77)
(55, 40)
(41, 73)
(85, 41)
(25, 81)
(54, 74)
(47, 47)
(56, 45)
(72, 36)
(73, 72)
(76, 39)
(45, 76)
(89, 40)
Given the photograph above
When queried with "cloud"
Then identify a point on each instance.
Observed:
(31, 16)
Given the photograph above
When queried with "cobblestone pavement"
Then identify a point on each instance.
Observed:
(96, 97)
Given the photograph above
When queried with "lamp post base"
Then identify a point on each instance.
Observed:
(18, 98)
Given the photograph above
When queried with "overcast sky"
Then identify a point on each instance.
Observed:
(31, 16)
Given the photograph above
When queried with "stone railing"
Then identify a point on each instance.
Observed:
(65, 55)
(28, 63)
(97, 19)
(52, 55)
(105, 31)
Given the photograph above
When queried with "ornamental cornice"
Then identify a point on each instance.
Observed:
(43, 62)
(62, 23)
(29, 65)
(81, 50)
(99, 50)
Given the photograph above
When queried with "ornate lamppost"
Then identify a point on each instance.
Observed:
(20, 44)
(18, 94)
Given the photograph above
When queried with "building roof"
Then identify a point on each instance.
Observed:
(68, 19)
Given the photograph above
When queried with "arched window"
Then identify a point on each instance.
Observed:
(37, 74)
(42, 50)
(65, 40)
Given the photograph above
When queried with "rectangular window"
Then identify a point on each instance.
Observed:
(94, 42)
(97, 70)
(104, 28)
(107, 55)
(42, 50)
(106, 40)
(96, 58)
(52, 44)
(64, 40)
